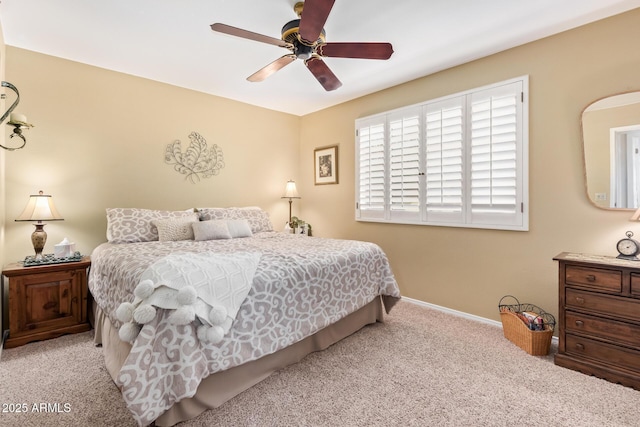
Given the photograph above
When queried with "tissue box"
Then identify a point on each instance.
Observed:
(64, 250)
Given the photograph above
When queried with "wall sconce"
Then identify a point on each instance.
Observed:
(16, 120)
(39, 208)
(290, 193)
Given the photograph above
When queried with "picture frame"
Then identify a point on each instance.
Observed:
(326, 165)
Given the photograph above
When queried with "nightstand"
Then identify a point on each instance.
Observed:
(46, 301)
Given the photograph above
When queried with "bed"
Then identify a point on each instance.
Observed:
(303, 294)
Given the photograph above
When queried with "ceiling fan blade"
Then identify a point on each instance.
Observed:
(238, 32)
(356, 50)
(323, 74)
(314, 15)
(276, 65)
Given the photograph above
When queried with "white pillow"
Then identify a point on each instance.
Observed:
(172, 229)
(211, 230)
(239, 228)
(258, 219)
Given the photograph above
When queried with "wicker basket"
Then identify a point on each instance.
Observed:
(534, 342)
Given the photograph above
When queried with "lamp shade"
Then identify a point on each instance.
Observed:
(40, 208)
(291, 192)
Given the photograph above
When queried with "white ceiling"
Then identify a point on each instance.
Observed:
(171, 41)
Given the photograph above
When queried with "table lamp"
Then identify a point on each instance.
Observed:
(290, 193)
(39, 208)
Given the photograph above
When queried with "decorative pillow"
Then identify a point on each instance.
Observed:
(258, 219)
(211, 230)
(130, 225)
(172, 229)
(239, 228)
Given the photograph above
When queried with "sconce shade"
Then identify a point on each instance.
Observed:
(291, 192)
(40, 208)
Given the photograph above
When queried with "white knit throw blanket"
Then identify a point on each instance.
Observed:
(221, 283)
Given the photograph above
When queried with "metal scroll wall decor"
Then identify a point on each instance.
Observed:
(18, 121)
(197, 161)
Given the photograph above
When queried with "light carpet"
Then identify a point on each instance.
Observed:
(421, 367)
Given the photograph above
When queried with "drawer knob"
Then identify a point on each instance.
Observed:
(580, 346)
(579, 323)
(580, 300)
(591, 278)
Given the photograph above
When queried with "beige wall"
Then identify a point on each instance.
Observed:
(100, 136)
(99, 141)
(470, 269)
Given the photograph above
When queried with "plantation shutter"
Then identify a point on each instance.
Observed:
(371, 169)
(444, 160)
(460, 160)
(496, 163)
(404, 165)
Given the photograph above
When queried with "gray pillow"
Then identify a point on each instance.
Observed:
(211, 230)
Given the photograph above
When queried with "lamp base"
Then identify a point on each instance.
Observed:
(39, 238)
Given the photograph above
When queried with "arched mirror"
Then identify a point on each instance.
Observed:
(611, 138)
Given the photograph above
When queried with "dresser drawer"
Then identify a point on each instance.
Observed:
(626, 308)
(612, 354)
(635, 284)
(595, 278)
(620, 332)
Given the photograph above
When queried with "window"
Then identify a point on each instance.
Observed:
(460, 160)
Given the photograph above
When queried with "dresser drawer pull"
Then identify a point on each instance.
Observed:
(580, 346)
(579, 323)
(580, 300)
(591, 278)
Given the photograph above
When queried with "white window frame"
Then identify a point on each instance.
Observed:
(505, 202)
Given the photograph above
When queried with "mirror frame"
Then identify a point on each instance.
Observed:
(584, 150)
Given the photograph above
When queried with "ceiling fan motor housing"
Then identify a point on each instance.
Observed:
(291, 34)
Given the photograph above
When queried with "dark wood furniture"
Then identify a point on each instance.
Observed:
(599, 317)
(46, 301)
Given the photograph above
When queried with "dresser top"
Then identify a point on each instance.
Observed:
(596, 259)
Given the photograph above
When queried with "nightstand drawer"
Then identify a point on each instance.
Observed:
(607, 329)
(610, 306)
(614, 355)
(595, 278)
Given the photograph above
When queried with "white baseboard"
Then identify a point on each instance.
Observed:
(469, 316)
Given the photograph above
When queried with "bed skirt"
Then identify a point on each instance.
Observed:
(234, 381)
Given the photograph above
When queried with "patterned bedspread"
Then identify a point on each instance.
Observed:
(302, 285)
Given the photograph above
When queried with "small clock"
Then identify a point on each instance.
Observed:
(628, 248)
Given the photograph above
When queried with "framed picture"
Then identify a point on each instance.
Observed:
(326, 165)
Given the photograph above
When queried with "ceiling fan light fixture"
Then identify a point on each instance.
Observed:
(302, 51)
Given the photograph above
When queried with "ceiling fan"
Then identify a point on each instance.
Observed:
(306, 39)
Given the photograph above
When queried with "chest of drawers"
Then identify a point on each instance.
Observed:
(599, 317)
